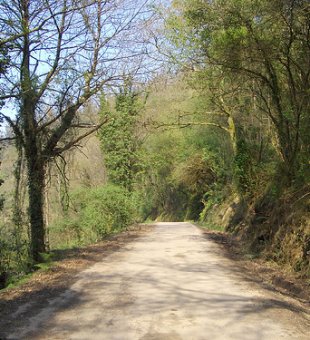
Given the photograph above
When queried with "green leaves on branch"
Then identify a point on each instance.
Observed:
(259, 47)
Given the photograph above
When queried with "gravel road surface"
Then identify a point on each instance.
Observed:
(172, 283)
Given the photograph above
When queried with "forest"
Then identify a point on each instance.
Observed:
(119, 112)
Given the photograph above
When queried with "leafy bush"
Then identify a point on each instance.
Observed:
(14, 256)
(4, 261)
(96, 213)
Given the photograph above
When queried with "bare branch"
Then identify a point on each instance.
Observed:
(189, 124)
(14, 127)
(5, 139)
(58, 151)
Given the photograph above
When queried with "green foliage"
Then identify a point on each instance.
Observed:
(5, 255)
(163, 197)
(181, 165)
(244, 44)
(14, 256)
(95, 213)
(119, 138)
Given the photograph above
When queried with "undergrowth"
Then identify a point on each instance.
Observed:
(93, 214)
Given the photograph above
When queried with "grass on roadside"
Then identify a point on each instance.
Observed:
(212, 227)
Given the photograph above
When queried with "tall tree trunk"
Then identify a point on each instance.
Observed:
(288, 153)
(34, 159)
(36, 203)
(242, 160)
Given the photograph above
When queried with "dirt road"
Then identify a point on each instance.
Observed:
(172, 283)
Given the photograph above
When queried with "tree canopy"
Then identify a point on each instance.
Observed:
(260, 49)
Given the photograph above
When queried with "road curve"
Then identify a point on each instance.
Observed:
(170, 284)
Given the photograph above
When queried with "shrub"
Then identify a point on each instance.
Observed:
(14, 255)
(96, 213)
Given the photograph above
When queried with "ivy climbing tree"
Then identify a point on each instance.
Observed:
(119, 138)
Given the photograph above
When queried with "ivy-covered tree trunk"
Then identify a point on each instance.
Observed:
(36, 176)
(35, 164)
(289, 146)
(119, 138)
(242, 159)
(36, 204)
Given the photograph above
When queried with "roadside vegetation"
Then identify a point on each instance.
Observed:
(221, 138)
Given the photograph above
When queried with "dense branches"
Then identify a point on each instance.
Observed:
(262, 50)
